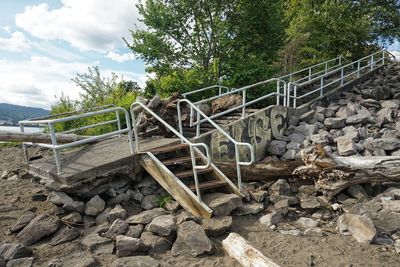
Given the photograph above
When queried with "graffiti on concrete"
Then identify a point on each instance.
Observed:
(257, 130)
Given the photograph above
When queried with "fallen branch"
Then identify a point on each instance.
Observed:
(38, 137)
(237, 247)
(333, 174)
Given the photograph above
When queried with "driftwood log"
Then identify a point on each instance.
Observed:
(38, 137)
(237, 247)
(333, 174)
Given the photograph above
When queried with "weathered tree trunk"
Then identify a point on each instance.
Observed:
(38, 137)
(237, 247)
(333, 174)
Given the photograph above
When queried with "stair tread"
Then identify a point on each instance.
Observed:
(208, 185)
(189, 173)
(166, 149)
(178, 160)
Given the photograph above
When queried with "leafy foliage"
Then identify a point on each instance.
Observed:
(163, 200)
(97, 91)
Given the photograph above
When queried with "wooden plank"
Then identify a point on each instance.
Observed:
(248, 256)
(176, 161)
(186, 198)
(189, 173)
(208, 185)
(166, 149)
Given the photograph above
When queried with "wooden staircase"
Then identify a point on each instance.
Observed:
(172, 167)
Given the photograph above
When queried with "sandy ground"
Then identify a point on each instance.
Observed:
(331, 250)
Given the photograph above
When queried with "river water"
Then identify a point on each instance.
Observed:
(16, 129)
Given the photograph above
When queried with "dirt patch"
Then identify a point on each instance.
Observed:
(332, 249)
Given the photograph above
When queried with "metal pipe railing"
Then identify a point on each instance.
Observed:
(220, 89)
(192, 146)
(223, 132)
(371, 61)
(50, 121)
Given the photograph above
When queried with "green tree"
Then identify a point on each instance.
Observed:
(209, 40)
(320, 30)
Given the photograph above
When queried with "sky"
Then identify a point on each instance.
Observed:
(43, 44)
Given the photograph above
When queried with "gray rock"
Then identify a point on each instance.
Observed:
(296, 138)
(305, 129)
(306, 223)
(2, 261)
(146, 216)
(154, 243)
(97, 244)
(59, 198)
(217, 226)
(74, 206)
(103, 216)
(360, 227)
(134, 230)
(385, 115)
(184, 216)
(65, 234)
(102, 228)
(251, 208)
(335, 123)
(276, 147)
(359, 118)
(149, 202)
(358, 192)
(87, 261)
(191, 240)
(118, 212)
(4, 175)
(41, 226)
(136, 261)
(308, 116)
(11, 251)
(127, 246)
(346, 147)
(163, 225)
(394, 104)
(271, 219)
(95, 206)
(23, 221)
(222, 204)
(21, 262)
(118, 227)
(172, 206)
(73, 218)
(290, 155)
(309, 203)
(307, 191)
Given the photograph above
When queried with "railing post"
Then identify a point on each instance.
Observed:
(244, 104)
(284, 95)
(309, 73)
(288, 94)
(118, 122)
(24, 149)
(322, 86)
(278, 91)
(383, 57)
(55, 150)
(340, 60)
(358, 68)
(372, 62)
(295, 96)
(178, 107)
(238, 172)
(198, 123)
(135, 130)
(196, 179)
(341, 76)
(326, 67)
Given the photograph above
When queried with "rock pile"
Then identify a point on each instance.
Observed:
(364, 122)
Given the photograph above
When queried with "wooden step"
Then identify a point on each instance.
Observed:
(180, 160)
(208, 185)
(189, 173)
(166, 149)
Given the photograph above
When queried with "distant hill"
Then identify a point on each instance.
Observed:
(11, 114)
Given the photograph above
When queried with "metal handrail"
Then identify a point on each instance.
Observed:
(56, 147)
(220, 87)
(371, 62)
(192, 146)
(223, 132)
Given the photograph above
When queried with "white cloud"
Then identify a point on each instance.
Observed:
(396, 54)
(16, 43)
(6, 28)
(36, 81)
(96, 25)
(120, 57)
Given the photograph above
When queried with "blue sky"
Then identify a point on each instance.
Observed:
(43, 44)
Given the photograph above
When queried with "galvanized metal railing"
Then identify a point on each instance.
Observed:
(51, 121)
(220, 88)
(192, 146)
(355, 68)
(237, 144)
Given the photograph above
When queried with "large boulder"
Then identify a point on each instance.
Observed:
(360, 227)
(225, 103)
(23, 221)
(163, 225)
(11, 251)
(191, 240)
(222, 204)
(155, 244)
(136, 261)
(127, 246)
(97, 244)
(41, 226)
(216, 226)
(118, 227)
(95, 206)
(146, 216)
